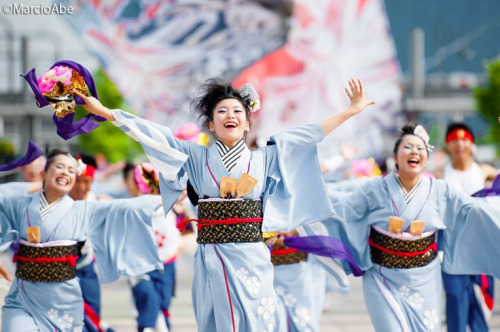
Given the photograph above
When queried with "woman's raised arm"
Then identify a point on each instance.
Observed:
(358, 103)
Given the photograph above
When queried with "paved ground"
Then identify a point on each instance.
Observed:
(344, 312)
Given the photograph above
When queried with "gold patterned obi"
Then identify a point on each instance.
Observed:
(397, 252)
(229, 220)
(281, 254)
(48, 262)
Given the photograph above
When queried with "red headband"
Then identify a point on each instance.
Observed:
(459, 133)
(84, 169)
(89, 171)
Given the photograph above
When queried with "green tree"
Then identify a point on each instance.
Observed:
(108, 139)
(488, 103)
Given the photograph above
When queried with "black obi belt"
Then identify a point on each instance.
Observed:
(400, 253)
(282, 254)
(229, 220)
(46, 263)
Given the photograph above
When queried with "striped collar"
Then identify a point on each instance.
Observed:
(45, 207)
(230, 156)
(408, 195)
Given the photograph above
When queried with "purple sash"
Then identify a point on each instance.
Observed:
(326, 246)
(32, 153)
(493, 191)
(65, 126)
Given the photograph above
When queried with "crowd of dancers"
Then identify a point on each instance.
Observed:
(269, 230)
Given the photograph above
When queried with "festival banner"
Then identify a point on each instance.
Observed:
(298, 54)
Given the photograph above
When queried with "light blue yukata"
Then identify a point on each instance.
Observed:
(410, 299)
(15, 187)
(301, 289)
(233, 282)
(123, 244)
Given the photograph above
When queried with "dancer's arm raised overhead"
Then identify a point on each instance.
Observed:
(358, 103)
(355, 94)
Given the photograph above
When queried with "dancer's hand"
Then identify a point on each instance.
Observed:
(94, 106)
(358, 102)
(281, 235)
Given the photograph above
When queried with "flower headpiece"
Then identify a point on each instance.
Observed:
(55, 88)
(251, 97)
(83, 169)
(422, 133)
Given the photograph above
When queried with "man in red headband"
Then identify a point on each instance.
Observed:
(469, 298)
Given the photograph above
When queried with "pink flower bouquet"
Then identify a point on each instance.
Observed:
(57, 85)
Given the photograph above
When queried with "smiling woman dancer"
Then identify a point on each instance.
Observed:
(233, 275)
(46, 226)
(391, 223)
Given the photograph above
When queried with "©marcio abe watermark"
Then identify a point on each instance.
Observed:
(41, 9)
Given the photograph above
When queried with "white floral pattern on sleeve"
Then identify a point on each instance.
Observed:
(65, 321)
(269, 328)
(302, 317)
(416, 300)
(251, 282)
(53, 314)
(267, 307)
(431, 318)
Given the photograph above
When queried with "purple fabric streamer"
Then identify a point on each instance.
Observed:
(32, 153)
(326, 246)
(14, 246)
(493, 191)
(66, 129)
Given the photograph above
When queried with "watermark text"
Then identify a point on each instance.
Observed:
(41, 9)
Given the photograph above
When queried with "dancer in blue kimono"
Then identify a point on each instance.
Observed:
(300, 284)
(20, 187)
(153, 291)
(45, 294)
(233, 275)
(85, 265)
(381, 223)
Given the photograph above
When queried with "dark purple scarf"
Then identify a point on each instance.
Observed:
(32, 153)
(65, 126)
(493, 191)
(325, 246)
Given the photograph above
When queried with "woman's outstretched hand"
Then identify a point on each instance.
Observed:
(358, 102)
(94, 106)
